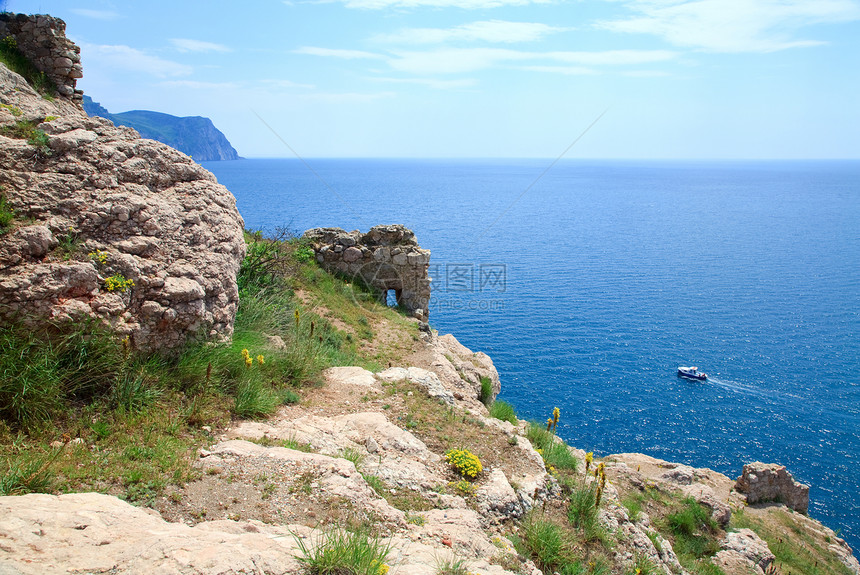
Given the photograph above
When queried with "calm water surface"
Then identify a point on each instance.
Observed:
(589, 286)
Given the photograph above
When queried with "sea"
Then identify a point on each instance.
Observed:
(589, 282)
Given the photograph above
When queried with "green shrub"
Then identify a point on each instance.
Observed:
(340, 551)
(504, 411)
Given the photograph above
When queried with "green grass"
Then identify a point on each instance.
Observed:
(139, 416)
(582, 512)
(554, 453)
(7, 214)
(543, 541)
(695, 535)
(339, 551)
(27, 130)
(486, 391)
(20, 64)
(798, 552)
(504, 411)
(452, 566)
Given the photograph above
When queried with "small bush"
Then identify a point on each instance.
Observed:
(339, 551)
(504, 411)
(464, 462)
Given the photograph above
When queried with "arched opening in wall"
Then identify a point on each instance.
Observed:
(392, 297)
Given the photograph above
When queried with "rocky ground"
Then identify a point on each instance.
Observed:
(369, 448)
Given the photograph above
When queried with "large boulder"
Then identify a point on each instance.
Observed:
(111, 226)
(766, 482)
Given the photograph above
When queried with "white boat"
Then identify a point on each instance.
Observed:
(692, 373)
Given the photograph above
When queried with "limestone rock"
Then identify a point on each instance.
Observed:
(426, 379)
(763, 482)
(94, 533)
(744, 551)
(460, 368)
(146, 212)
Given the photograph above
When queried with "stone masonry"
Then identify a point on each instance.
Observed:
(764, 482)
(42, 39)
(385, 258)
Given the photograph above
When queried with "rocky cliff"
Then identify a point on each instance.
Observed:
(108, 225)
(193, 135)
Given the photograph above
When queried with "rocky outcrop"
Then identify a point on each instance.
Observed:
(42, 39)
(385, 258)
(193, 135)
(94, 533)
(111, 226)
(767, 482)
(743, 552)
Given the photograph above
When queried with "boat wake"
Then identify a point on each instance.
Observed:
(738, 387)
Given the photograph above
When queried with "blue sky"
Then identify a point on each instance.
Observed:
(485, 78)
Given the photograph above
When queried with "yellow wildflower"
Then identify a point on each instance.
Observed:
(245, 354)
(260, 359)
(249, 362)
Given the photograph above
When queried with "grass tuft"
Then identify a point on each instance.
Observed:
(338, 551)
(504, 411)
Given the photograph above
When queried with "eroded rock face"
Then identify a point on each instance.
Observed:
(744, 552)
(94, 201)
(764, 482)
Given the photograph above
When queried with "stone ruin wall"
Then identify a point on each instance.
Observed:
(385, 258)
(42, 39)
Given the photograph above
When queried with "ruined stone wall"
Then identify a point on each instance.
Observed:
(42, 39)
(385, 258)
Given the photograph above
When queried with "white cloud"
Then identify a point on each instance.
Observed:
(463, 60)
(348, 97)
(464, 4)
(288, 84)
(613, 57)
(432, 82)
(337, 53)
(95, 14)
(498, 31)
(566, 70)
(733, 25)
(188, 45)
(127, 59)
(195, 85)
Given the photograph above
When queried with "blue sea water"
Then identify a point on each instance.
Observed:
(588, 286)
